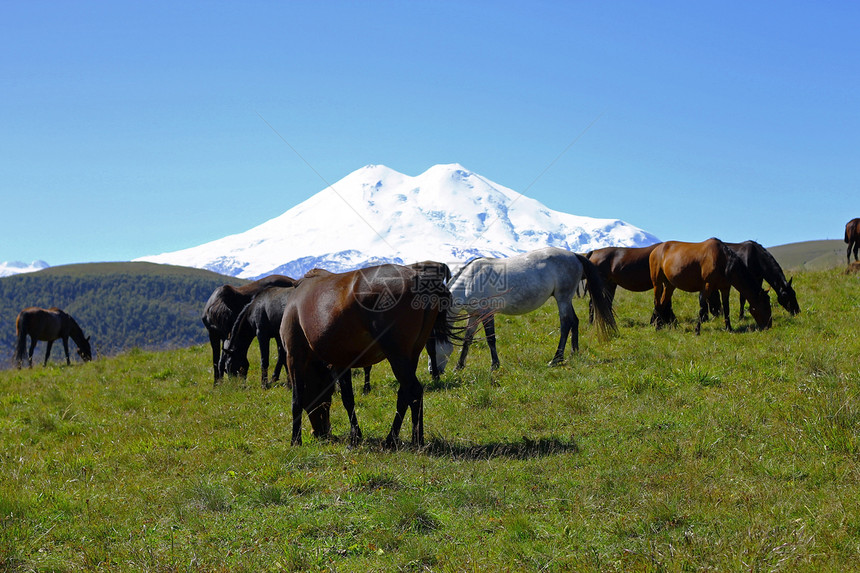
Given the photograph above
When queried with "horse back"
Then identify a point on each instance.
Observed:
(41, 323)
(628, 267)
(690, 266)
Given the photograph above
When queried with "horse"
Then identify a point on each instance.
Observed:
(520, 284)
(625, 267)
(434, 271)
(852, 237)
(763, 265)
(335, 322)
(704, 267)
(260, 319)
(224, 304)
(48, 324)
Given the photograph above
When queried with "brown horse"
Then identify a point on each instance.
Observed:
(852, 237)
(48, 325)
(335, 322)
(625, 267)
(224, 305)
(435, 271)
(704, 267)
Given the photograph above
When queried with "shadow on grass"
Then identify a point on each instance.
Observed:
(440, 448)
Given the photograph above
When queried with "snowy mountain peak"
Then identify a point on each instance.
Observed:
(447, 213)
(8, 268)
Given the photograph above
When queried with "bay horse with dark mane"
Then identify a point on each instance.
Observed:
(852, 237)
(335, 322)
(706, 267)
(432, 270)
(625, 267)
(764, 266)
(48, 324)
(224, 305)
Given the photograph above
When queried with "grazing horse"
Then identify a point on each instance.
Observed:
(521, 284)
(224, 304)
(704, 267)
(433, 271)
(625, 267)
(48, 325)
(763, 265)
(335, 322)
(260, 319)
(852, 237)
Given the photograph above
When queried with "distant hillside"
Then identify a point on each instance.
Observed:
(810, 255)
(120, 305)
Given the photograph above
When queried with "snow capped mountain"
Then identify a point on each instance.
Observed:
(376, 214)
(7, 269)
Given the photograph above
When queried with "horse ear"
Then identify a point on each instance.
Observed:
(789, 281)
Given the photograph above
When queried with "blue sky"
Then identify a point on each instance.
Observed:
(135, 128)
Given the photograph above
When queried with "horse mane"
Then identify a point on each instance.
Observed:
(462, 269)
(770, 269)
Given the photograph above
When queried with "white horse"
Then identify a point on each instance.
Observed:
(521, 284)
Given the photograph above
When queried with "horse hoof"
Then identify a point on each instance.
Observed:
(556, 362)
(495, 366)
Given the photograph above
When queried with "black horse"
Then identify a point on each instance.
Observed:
(48, 324)
(224, 305)
(852, 237)
(260, 319)
(764, 267)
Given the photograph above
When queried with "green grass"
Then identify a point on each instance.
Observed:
(655, 451)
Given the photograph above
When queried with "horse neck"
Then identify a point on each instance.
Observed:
(75, 331)
(770, 269)
(243, 330)
(740, 276)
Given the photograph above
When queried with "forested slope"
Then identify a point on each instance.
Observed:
(120, 305)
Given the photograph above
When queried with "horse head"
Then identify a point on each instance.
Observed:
(444, 349)
(85, 351)
(761, 311)
(233, 363)
(787, 298)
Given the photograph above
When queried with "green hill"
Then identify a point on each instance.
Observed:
(810, 255)
(120, 305)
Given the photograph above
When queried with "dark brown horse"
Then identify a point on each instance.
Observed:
(335, 322)
(223, 307)
(852, 237)
(704, 267)
(48, 324)
(625, 267)
(434, 271)
(764, 266)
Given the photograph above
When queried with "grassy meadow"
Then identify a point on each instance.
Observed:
(654, 451)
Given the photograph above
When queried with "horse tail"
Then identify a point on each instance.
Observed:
(848, 231)
(604, 316)
(21, 347)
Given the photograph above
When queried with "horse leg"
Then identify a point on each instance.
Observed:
(366, 388)
(263, 341)
(489, 323)
(411, 394)
(30, 352)
(215, 343)
(471, 327)
(856, 248)
(281, 362)
(724, 294)
(66, 348)
(741, 301)
(47, 351)
(568, 326)
(348, 398)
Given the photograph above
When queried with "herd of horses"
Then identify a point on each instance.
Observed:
(326, 324)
